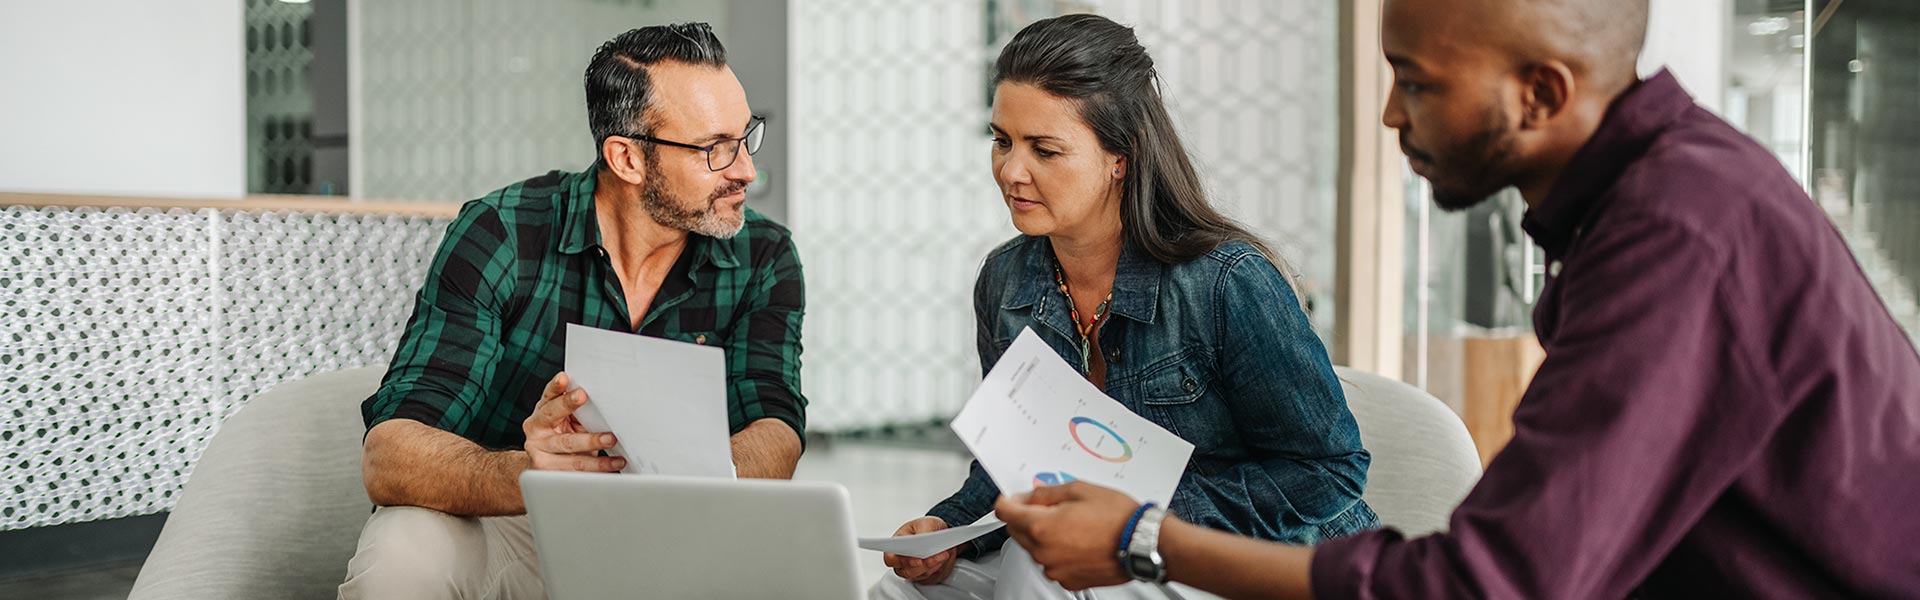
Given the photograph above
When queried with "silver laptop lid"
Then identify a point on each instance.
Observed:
(650, 536)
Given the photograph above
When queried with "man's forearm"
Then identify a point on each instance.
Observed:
(766, 449)
(1233, 566)
(408, 463)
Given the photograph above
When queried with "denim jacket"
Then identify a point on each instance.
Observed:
(1218, 351)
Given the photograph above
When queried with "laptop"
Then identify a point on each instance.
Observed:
(603, 535)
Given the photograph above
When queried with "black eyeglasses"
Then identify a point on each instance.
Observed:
(724, 153)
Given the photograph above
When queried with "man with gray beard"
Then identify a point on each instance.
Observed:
(655, 239)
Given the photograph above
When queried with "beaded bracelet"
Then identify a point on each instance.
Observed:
(1126, 535)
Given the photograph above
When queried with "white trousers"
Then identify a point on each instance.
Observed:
(1011, 574)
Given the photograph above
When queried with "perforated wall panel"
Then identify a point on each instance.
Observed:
(126, 336)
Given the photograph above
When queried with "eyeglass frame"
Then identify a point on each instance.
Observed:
(756, 123)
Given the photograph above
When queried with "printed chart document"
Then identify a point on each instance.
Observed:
(666, 401)
(1035, 421)
(928, 544)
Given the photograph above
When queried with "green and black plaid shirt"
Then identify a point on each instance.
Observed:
(489, 324)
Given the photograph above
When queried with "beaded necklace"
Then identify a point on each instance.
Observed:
(1086, 329)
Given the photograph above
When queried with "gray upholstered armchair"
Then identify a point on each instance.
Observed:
(1424, 462)
(275, 505)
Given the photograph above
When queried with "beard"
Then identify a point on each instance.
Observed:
(708, 220)
(1468, 173)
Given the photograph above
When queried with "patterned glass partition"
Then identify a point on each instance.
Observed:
(892, 205)
(279, 102)
(461, 97)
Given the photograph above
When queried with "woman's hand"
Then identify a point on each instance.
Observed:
(925, 571)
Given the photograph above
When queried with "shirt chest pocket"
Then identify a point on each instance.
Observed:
(704, 338)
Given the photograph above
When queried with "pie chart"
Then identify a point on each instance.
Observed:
(1051, 478)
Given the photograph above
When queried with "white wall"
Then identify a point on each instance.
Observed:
(123, 97)
(1690, 38)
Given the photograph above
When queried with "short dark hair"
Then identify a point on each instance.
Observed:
(619, 90)
(1102, 67)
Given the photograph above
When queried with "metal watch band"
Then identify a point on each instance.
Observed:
(1142, 555)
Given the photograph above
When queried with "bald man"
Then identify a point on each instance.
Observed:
(1726, 408)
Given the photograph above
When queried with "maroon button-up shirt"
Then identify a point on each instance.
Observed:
(1726, 408)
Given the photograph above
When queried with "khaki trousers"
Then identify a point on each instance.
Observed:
(412, 552)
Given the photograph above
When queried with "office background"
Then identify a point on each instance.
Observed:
(200, 199)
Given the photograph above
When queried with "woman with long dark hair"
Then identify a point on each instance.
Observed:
(1126, 270)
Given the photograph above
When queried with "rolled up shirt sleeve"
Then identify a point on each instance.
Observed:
(765, 346)
(444, 366)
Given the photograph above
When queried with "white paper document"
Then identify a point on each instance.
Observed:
(928, 544)
(1036, 421)
(666, 401)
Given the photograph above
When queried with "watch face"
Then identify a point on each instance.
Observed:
(1142, 568)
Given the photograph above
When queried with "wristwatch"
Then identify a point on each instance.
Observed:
(1141, 558)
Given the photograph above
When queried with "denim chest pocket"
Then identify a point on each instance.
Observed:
(1178, 394)
(1174, 383)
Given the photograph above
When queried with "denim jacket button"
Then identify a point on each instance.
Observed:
(1188, 385)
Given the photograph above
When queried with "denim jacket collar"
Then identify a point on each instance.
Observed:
(1136, 282)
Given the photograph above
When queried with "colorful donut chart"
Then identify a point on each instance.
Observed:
(1126, 450)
